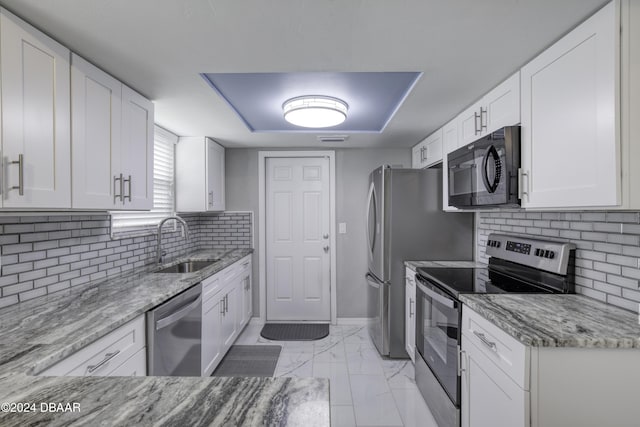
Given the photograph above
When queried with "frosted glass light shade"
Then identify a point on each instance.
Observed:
(315, 111)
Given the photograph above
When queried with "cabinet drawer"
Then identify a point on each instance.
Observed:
(245, 265)
(135, 366)
(211, 285)
(100, 357)
(508, 354)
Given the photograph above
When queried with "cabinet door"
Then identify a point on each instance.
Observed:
(469, 124)
(433, 149)
(502, 105)
(489, 397)
(215, 176)
(96, 113)
(35, 117)
(212, 320)
(417, 154)
(137, 150)
(230, 319)
(244, 288)
(569, 129)
(410, 317)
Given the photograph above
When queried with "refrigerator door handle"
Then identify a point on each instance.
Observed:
(370, 199)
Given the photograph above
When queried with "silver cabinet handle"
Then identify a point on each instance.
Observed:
(422, 150)
(245, 264)
(486, 341)
(411, 302)
(222, 306)
(107, 357)
(325, 236)
(116, 195)
(20, 186)
(476, 128)
(521, 190)
(226, 304)
(326, 249)
(128, 182)
(210, 198)
(461, 357)
(483, 119)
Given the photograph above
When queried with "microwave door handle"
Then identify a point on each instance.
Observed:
(491, 186)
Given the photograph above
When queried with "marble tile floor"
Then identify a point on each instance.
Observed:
(365, 388)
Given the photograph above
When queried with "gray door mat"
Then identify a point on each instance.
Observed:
(294, 331)
(249, 361)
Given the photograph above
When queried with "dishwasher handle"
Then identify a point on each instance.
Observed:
(181, 312)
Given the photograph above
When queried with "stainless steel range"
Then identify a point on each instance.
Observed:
(517, 265)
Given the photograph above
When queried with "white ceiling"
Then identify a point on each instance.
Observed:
(463, 47)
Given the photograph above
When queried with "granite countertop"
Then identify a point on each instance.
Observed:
(413, 265)
(36, 334)
(545, 320)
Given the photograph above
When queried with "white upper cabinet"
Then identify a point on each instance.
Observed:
(428, 152)
(137, 149)
(112, 136)
(35, 100)
(199, 175)
(498, 108)
(570, 145)
(96, 113)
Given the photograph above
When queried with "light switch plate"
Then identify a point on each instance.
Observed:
(342, 228)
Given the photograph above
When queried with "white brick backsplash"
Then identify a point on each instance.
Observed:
(608, 255)
(43, 254)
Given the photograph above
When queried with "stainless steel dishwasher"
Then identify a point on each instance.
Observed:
(174, 335)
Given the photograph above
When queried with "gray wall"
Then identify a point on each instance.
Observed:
(352, 176)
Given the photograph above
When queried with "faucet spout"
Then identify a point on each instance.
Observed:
(185, 235)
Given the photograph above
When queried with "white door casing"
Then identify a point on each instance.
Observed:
(297, 232)
(324, 164)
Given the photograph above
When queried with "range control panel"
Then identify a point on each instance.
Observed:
(519, 247)
(546, 255)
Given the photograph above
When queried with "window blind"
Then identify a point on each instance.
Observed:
(132, 223)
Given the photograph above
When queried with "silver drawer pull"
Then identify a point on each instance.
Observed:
(107, 357)
(485, 341)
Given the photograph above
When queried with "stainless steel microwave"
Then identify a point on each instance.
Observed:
(485, 172)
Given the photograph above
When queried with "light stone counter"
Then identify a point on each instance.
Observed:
(546, 320)
(38, 333)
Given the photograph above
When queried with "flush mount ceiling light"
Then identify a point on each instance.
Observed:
(315, 111)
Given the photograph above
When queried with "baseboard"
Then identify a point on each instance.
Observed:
(255, 321)
(361, 321)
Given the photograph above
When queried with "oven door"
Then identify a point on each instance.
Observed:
(437, 335)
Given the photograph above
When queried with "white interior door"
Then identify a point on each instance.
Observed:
(297, 239)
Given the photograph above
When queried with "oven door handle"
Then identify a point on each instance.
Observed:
(447, 302)
(372, 281)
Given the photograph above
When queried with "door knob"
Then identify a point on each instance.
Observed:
(326, 249)
(325, 236)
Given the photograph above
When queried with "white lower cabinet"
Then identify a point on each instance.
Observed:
(224, 311)
(508, 384)
(135, 366)
(410, 314)
(122, 350)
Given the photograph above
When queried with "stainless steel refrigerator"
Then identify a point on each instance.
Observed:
(405, 222)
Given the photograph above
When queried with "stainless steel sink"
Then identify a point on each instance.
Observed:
(188, 266)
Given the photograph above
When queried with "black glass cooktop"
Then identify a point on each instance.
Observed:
(476, 281)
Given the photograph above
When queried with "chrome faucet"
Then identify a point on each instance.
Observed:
(185, 234)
